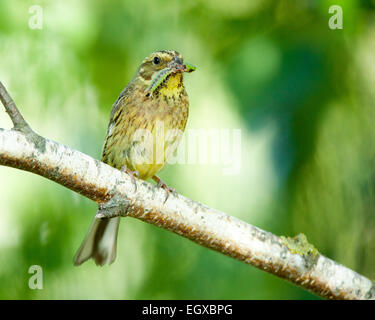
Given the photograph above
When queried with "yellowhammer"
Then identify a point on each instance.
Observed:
(146, 124)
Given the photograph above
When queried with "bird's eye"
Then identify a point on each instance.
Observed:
(156, 60)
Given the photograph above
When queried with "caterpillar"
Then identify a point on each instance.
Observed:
(190, 67)
(158, 79)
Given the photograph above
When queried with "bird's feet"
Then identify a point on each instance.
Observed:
(163, 185)
(133, 175)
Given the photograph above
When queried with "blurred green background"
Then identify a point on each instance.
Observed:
(302, 94)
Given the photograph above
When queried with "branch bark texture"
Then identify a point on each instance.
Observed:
(117, 196)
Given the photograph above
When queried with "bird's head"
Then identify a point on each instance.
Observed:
(163, 69)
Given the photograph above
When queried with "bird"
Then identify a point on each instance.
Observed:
(146, 124)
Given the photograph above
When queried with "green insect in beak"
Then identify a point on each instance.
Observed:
(189, 67)
(158, 79)
(161, 75)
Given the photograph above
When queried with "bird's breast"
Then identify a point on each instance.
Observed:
(148, 130)
(173, 85)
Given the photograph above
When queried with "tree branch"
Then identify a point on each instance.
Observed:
(292, 259)
(19, 122)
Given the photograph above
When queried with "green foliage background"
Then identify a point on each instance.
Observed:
(302, 94)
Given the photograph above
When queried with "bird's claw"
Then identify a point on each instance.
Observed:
(163, 185)
(132, 174)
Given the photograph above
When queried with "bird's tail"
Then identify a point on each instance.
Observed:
(100, 242)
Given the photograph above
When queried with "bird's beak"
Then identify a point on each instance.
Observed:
(178, 66)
